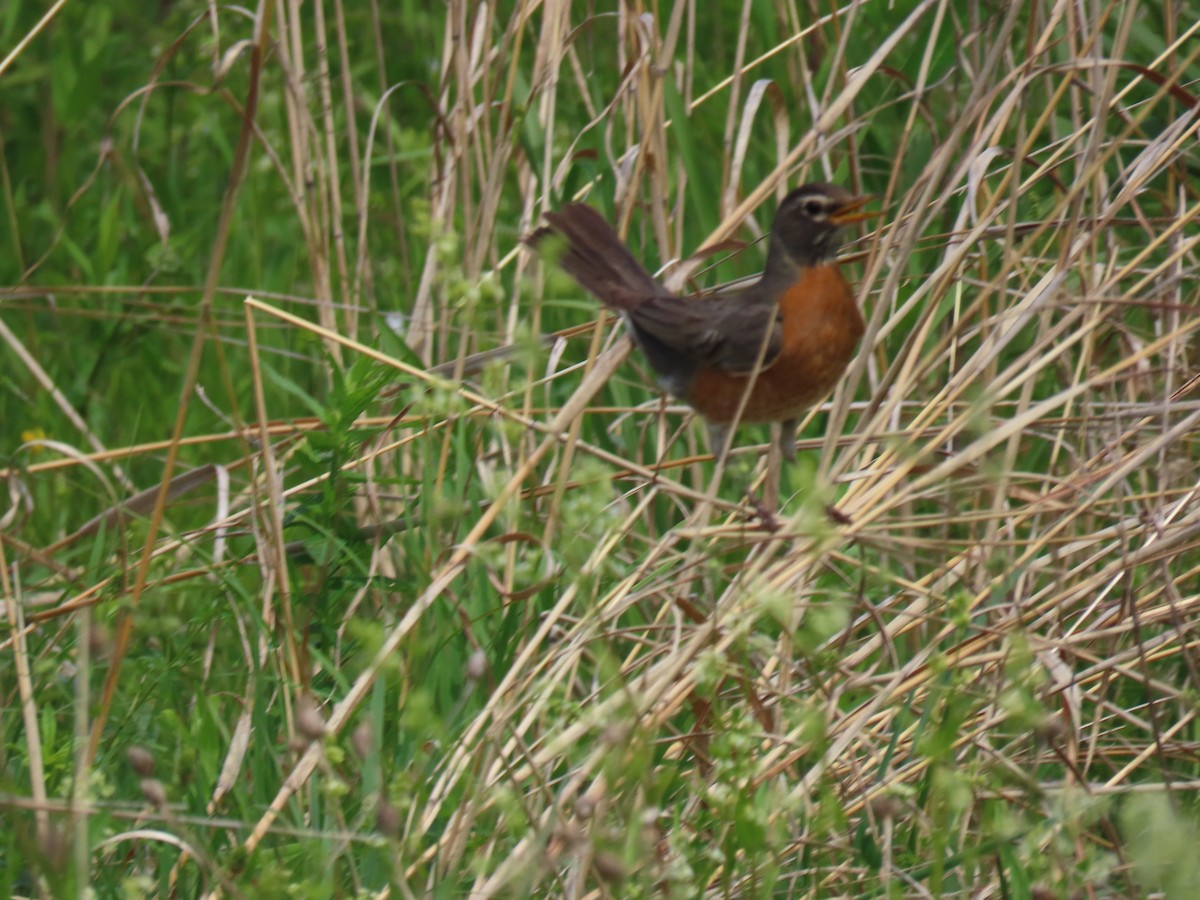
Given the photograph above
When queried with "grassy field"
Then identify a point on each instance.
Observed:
(288, 614)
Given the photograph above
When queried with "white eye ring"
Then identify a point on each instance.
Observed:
(814, 208)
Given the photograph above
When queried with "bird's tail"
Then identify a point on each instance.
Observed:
(596, 258)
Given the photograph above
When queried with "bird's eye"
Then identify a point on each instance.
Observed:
(814, 208)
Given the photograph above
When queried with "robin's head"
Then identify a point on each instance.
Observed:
(807, 223)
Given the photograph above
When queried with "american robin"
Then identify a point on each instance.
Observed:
(770, 350)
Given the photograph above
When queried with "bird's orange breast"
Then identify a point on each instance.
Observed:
(822, 326)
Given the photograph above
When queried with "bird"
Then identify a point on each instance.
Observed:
(766, 352)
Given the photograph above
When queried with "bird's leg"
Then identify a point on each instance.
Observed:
(718, 440)
(787, 438)
(771, 482)
(781, 449)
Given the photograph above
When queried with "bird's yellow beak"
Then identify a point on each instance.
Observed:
(850, 211)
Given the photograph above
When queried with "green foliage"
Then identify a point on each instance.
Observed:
(1160, 840)
(405, 657)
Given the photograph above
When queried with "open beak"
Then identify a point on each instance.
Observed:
(850, 211)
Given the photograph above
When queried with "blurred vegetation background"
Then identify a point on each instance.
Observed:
(286, 613)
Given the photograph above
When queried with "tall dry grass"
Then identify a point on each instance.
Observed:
(957, 660)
